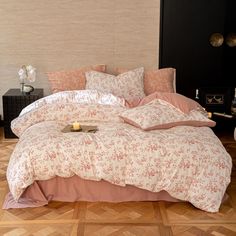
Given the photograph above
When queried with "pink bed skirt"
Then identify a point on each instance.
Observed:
(76, 189)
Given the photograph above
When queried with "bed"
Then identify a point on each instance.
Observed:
(161, 149)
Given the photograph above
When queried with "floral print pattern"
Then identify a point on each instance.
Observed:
(159, 114)
(190, 163)
(76, 97)
(157, 80)
(71, 79)
(128, 85)
(179, 101)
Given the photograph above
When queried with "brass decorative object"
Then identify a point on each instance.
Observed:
(231, 40)
(216, 39)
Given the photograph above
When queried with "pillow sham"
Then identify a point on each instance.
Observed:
(128, 85)
(179, 101)
(161, 80)
(160, 114)
(71, 79)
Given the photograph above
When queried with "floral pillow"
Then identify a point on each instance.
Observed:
(161, 80)
(160, 114)
(71, 79)
(179, 101)
(128, 85)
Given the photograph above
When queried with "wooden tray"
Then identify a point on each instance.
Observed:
(84, 128)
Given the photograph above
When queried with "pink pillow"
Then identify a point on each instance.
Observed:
(128, 85)
(160, 114)
(161, 80)
(72, 79)
(177, 100)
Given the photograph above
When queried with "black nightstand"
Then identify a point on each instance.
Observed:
(224, 125)
(13, 102)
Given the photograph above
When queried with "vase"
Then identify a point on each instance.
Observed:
(22, 87)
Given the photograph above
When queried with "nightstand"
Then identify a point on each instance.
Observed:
(13, 102)
(224, 125)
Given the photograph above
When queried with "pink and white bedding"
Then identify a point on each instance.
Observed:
(189, 163)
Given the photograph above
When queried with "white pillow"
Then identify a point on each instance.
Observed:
(128, 85)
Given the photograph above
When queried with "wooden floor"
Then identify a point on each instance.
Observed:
(128, 219)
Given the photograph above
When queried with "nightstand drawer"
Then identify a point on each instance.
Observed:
(13, 102)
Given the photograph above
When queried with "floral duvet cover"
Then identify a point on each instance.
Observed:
(190, 163)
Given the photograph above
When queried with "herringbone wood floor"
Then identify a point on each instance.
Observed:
(137, 218)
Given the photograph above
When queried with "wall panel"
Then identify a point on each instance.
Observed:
(66, 34)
